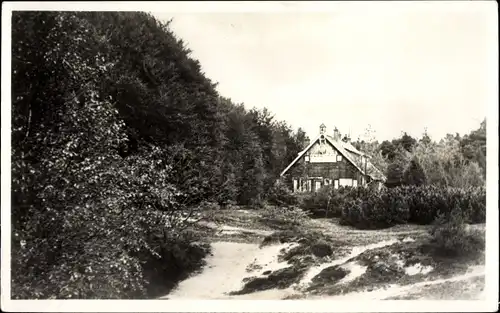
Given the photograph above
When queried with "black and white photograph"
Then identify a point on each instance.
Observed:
(308, 156)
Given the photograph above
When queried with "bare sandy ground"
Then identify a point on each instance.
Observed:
(231, 262)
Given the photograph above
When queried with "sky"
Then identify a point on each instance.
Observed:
(409, 67)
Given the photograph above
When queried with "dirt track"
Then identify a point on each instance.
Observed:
(232, 261)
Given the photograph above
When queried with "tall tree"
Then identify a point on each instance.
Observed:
(414, 174)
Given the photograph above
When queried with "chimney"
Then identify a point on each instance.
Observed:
(336, 134)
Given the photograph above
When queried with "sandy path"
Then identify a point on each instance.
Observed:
(223, 272)
(231, 262)
(226, 269)
(315, 270)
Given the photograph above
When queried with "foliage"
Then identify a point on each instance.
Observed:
(316, 202)
(328, 201)
(179, 257)
(376, 210)
(445, 164)
(283, 217)
(413, 204)
(414, 174)
(454, 161)
(397, 167)
(452, 237)
(117, 138)
(281, 195)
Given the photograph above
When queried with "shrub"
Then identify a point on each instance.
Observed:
(415, 204)
(178, 256)
(283, 217)
(317, 202)
(281, 195)
(378, 210)
(329, 202)
(452, 237)
(427, 202)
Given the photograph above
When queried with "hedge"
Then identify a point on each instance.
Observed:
(367, 208)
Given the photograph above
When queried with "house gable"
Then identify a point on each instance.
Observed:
(323, 150)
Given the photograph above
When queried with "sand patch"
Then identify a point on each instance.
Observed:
(355, 271)
(315, 270)
(418, 269)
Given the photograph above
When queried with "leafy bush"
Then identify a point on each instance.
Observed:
(452, 237)
(328, 201)
(178, 256)
(317, 203)
(281, 195)
(283, 217)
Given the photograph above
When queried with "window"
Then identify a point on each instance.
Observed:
(336, 184)
(345, 182)
(317, 186)
(307, 158)
(295, 185)
(355, 183)
(339, 158)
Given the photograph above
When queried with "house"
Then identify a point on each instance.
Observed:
(328, 160)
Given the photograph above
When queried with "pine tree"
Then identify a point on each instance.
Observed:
(414, 174)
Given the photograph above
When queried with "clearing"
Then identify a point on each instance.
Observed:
(320, 259)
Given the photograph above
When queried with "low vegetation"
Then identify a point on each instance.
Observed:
(453, 237)
(283, 217)
(413, 204)
(279, 279)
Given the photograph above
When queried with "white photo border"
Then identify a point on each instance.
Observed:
(491, 289)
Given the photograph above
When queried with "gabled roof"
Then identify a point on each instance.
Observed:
(300, 155)
(347, 150)
(349, 147)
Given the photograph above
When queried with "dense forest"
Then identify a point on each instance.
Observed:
(118, 137)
